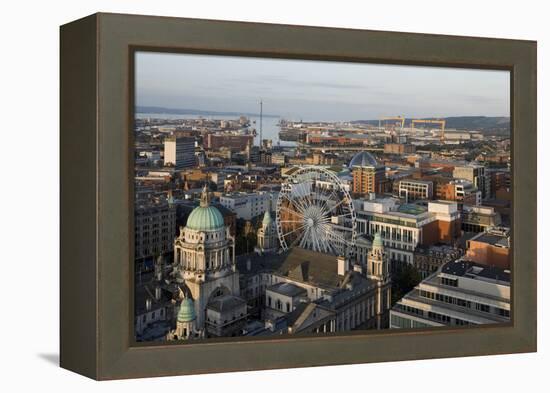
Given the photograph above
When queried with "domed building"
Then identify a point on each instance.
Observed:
(267, 235)
(204, 257)
(368, 175)
(363, 159)
(185, 319)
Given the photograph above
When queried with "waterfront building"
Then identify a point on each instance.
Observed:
(231, 141)
(460, 293)
(179, 152)
(278, 159)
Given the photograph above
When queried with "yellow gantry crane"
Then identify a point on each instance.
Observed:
(440, 122)
(401, 119)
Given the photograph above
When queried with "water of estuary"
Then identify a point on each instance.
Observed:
(270, 125)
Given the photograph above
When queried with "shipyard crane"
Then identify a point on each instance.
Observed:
(427, 121)
(401, 120)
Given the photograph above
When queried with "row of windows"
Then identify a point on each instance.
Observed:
(278, 304)
(451, 282)
(153, 315)
(215, 322)
(439, 317)
(445, 319)
(404, 323)
(464, 303)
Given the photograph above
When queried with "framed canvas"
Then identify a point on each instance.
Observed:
(242, 196)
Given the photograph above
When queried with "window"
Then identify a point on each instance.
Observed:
(439, 317)
(482, 307)
(451, 282)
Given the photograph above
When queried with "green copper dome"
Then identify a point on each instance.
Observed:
(267, 219)
(205, 217)
(377, 242)
(186, 312)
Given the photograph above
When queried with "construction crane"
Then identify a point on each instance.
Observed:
(440, 122)
(400, 118)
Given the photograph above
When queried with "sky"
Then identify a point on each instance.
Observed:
(317, 90)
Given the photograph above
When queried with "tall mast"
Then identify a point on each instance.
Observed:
(261, 115)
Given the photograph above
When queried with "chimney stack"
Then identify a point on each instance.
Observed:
(342, 265)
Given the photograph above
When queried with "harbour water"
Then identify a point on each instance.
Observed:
(270, 127)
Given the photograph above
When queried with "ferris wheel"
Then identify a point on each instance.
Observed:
(315, 211)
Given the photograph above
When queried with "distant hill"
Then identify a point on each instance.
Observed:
(489, 125)
(180, 111)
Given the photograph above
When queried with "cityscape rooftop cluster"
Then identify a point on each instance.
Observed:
(226, 223)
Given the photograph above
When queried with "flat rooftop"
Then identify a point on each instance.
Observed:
(492, 239)
(469, 269)
(287, 289)
(412, 209)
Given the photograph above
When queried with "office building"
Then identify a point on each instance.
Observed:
(368, 175)
(247, 205)
(412, 190)
(428, 259)
(179, 152)
(460, 293)
(154, 231)
(490, 248)
(403, 227)
(399, 148)
(476, 175)
(233, 142)
(479, 218)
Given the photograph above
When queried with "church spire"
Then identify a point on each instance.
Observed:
(205, 197)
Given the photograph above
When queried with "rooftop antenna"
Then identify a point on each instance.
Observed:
(261, 118)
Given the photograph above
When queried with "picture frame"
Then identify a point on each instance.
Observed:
(96, 271)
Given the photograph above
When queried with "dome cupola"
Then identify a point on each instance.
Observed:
(186, 311)
(267, 220)
(205, 217)
(363, 159)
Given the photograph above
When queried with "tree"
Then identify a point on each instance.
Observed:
(404, 279)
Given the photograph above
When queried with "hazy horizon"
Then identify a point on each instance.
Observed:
(317, 90)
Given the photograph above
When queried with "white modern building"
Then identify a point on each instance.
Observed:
(476, 174)
(248, 205)
(466, 192)
(412, 190)
(179, 152)
(460, 293)
(404, 226)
